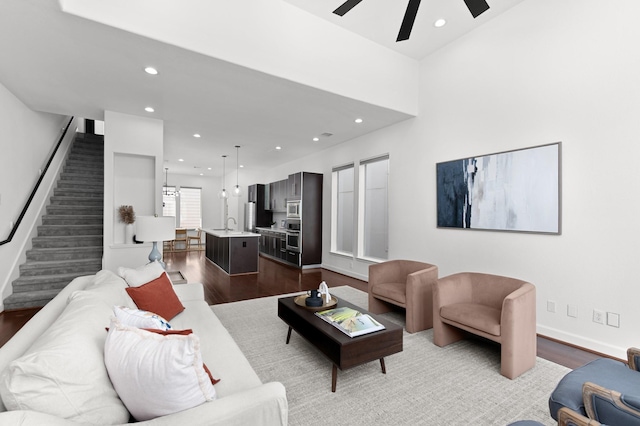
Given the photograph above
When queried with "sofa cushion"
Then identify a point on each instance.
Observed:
(141, 319)
(142, 275)
(480, 317)
(156, 375)
(158, 297)
(219, 351)
(63, 372)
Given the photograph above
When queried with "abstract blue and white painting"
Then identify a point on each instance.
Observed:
(509, 191)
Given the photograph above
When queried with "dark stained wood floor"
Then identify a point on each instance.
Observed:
(273, 279)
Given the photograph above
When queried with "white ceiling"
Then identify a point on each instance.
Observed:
(380, 20)
(58, 63)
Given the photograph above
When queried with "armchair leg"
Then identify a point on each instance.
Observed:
(445, 334)
(377, 306)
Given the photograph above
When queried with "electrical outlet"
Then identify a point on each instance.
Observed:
(598, 316)
(613, 319)
(572, 311)
(551, 306)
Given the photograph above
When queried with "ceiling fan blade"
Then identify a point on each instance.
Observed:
(346, 6)
(477, 7)
(409, 19)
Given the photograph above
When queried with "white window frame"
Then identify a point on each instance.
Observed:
(364, 216)
(335, 210)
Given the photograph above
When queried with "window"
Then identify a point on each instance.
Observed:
(373, 213)
(168, 201)
(342, 211)
(190, 215)
(185, 206)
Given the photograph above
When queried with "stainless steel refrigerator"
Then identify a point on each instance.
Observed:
(250, 217)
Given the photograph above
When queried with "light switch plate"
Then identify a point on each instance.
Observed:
(613, 319)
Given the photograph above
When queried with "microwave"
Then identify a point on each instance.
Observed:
(294, 209)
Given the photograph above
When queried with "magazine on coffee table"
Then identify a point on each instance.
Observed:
(351, 322)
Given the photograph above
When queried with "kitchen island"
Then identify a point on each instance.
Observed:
(235, 252)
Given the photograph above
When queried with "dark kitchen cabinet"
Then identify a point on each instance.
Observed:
(294, 186)
(277, 196)
(307, 188)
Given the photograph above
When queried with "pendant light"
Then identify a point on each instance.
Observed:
(165, 190)
(236, 190)
(223, 193)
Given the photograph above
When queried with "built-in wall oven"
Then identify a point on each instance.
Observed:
(294, 237)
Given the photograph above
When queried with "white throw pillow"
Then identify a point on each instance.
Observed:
(140, 319)
(142, 275)
(63, 372)
(156, 375)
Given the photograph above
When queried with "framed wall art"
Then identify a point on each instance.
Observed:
(517, 190)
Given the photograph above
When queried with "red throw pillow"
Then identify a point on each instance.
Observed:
(182, 333)
(157, 296)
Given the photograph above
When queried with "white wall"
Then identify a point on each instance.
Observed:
(543, 72)
(133, 175)
(31, 137)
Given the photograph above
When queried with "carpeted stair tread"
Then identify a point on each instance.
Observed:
(61, 219)
(67, 230)
(51, 267)
(31, 299)
(67, 241)
(64, 253)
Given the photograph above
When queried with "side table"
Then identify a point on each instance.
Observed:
(176, 277)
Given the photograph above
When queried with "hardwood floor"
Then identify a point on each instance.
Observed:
(273, 279)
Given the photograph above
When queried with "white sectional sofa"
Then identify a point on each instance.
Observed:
(66, 340)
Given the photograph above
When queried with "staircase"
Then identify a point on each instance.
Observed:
(69, 241)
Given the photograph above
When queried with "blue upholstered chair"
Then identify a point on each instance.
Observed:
(604, 391)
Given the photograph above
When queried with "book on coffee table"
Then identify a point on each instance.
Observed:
(351, 322)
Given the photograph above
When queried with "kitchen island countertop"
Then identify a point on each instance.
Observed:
(221, 233)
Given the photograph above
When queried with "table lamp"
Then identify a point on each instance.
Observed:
(155, 228)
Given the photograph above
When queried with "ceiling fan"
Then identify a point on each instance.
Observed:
(476, 7)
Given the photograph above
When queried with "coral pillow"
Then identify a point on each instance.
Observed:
(158, 297)
(156, 375)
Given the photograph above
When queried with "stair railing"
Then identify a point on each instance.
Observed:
(35, 189)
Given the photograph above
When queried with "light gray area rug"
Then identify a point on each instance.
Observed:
(425, 384)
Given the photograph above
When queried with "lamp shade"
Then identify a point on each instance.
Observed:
(155, 228)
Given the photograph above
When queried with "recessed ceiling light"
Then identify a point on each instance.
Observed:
(241, 166)
(201, 174)
(151, 70)
(439, 23)
(316, 139)
(149, 109)
(180, 159)
(208, 168)
(358, 120)
(196, 135)
(278, 147)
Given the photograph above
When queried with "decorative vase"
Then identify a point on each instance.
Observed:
(128, 233)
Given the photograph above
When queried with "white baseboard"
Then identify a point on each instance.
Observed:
(583, 342)
(346, 272)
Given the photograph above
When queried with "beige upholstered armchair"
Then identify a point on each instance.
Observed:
(404, 283)
(498, 308)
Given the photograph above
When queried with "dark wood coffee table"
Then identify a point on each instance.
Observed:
(343, 351)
